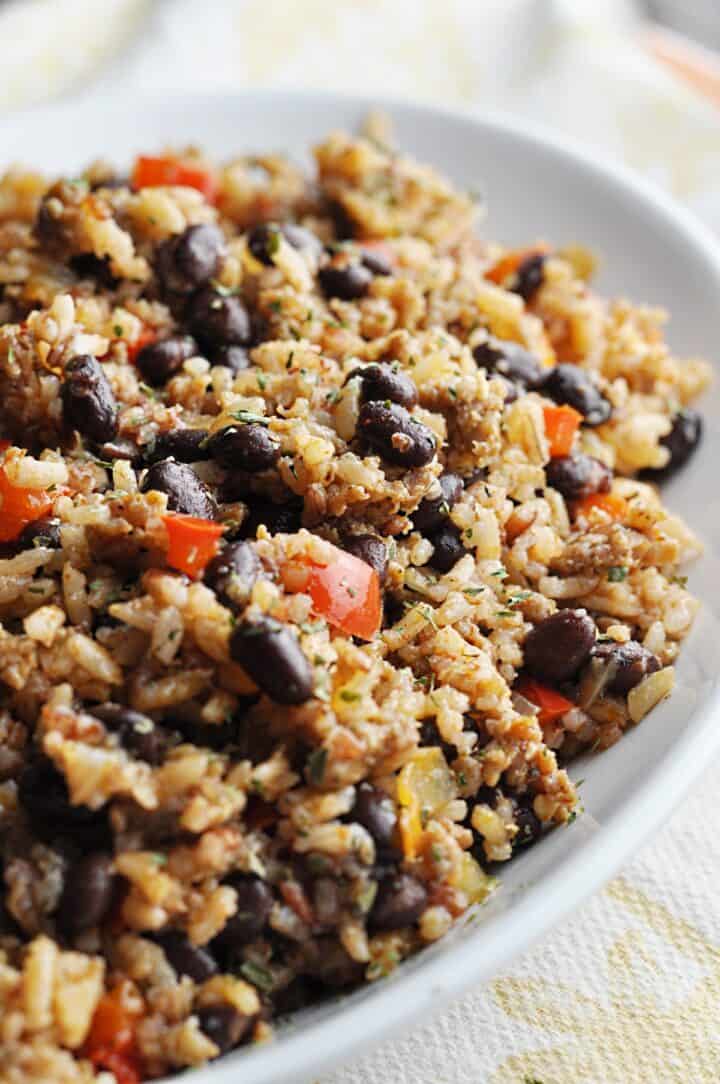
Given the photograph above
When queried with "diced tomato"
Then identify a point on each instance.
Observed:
(561, 425)
(614, 505)
(551, 704)
(110, 1043)
(124, 1067)
(149, 172)
(508, 264)
(20, 506)
(147, 335)
(346, 592)
(192, 542)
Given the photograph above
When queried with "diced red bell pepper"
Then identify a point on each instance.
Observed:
(551, 704)
(346, 593)
(561, 425)
(192, 542)
(613, 504)
(19, 506)
(147, 335)
(508, 264)
(110, 1043)
(124, 1067)
(149, 172)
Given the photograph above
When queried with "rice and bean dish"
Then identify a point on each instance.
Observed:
(329, 532)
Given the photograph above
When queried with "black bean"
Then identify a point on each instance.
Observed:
(682, 442)
(233, 357)
(557, 646)
(41, 532)
(218, 319)
(278, 518)
(44, 795)
(87, 894)
(447, 547)
(88, 402)
(186, 958)
(189, 259)
(632, 662)
(400, 901)
(572, 385)
(396, 435)
(137, 733)
(375, 810)
(342, 220)
(385, 382)
(370, 549)
(184, 445)
(376, 262)
(272, 656)
(121, 448)
(87, 265)
(185, 492)
(510, 360)
(254, 904)
(223, 1025)
(529, 826)
(512, 391)
(433, 511)
(264, 241)
(159, 360)
(52, 227)
(577, 476)
(232, 573)
(349, 282)
(248, 447)
(331, 965)
(430, 735)
(302, 239)
(207, 735)
(529, 276)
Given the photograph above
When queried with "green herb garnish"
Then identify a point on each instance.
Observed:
(617, 573)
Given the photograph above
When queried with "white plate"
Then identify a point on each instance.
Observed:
(536, 187)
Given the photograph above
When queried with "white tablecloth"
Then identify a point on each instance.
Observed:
(628, 990)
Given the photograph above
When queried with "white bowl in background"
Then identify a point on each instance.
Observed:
(536, 186)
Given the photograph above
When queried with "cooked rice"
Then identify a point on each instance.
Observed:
(435, 708)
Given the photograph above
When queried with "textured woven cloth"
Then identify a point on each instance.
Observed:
(628, 990)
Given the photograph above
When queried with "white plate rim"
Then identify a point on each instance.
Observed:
(411, 996)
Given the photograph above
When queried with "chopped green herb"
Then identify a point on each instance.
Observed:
(617, 573)
(262, 381)
(501, 573)
(349, 695)
(681, 581)
(472, 591)
(316, 763)
(117, 331)
(224, 291)
(258, 975)
(249, 417)
(276, 304)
